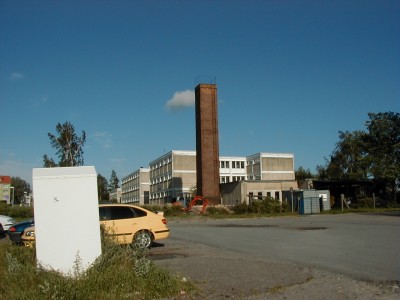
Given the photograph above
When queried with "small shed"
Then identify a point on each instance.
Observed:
(307, 201)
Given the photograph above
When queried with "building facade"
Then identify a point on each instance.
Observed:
(270, 166)
(172, 176)
(232, 168)
(234, 193)
(135, 187)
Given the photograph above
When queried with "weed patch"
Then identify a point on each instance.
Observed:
(121, 272)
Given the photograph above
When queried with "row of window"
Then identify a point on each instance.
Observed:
(261, 195)
(225, 164)
(161, 179)
(161, 163)
(225, 179)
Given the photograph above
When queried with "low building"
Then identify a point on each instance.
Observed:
(234, 193)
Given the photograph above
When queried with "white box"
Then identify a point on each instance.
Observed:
(67, 226)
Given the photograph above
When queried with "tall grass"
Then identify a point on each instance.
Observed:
(121, 272)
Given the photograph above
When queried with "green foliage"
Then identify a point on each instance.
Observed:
(168, 209)
(302, 174)
(68, 146)
(20, 187)
(113, 183)
(102, 191)
(383, 146)
(371, 154)
(121, 272)
(16, 211)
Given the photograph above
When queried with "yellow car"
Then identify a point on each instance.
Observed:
(128, 224)
(28, 237)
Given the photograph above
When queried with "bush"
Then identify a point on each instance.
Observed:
(266, 206)
(241, 208)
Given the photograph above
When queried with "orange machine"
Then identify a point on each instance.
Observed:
(197, 200)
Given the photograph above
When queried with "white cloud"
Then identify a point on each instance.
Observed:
(17, 76)
(180, 100)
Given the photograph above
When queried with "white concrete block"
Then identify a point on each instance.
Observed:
(66, 216)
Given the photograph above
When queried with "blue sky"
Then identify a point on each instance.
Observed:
(290, 75)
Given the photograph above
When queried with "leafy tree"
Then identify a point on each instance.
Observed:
(113, 182)
(301, 174)
(371, 154)
(383, 147)
(69, 146)
(20, 187)
(102, 191)
(348, 158)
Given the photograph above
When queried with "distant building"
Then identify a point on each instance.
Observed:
(270, 166)
(232, 168)
(5, 189)
(245, 191)
(115, 195)
(172, 176)
(135, 187)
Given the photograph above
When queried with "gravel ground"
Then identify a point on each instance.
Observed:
(220, 274)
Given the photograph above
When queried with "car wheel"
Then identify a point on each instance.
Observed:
(143, 239)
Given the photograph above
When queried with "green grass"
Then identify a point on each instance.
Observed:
(121, 272)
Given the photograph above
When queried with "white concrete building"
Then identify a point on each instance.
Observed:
(172, 177)
(135, 187)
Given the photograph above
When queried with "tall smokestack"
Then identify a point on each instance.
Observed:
(207, 145)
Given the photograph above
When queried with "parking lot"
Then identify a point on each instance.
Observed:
(319, 256)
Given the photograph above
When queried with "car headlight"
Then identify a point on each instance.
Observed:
(30, 233)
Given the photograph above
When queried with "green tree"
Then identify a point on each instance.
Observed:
(113, 182)
(371, 154)
(20, 188)
(68, 145)
(301, 174)
(383, 148)
(102, 191)
(348, 158)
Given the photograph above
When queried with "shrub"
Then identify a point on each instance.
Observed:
(266, 206)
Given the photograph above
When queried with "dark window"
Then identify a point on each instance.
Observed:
(104, 213)
(120, 212)
(276, 195)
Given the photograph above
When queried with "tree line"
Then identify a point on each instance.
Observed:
(370, 154)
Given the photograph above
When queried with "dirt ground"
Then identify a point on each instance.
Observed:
(220, 274)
